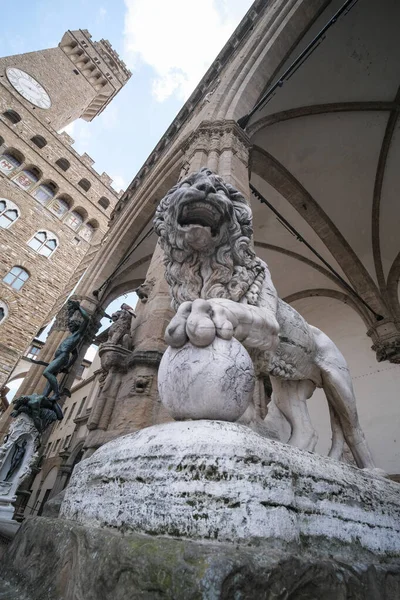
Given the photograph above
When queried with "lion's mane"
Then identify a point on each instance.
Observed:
(231, 271)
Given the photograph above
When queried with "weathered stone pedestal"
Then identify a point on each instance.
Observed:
(22, 431)
(207, 510)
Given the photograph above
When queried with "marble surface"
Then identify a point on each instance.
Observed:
(214, 480)
(215, 382)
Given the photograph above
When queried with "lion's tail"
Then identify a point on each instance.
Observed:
(338, 440)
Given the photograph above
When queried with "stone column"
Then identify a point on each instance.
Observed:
(223, 147)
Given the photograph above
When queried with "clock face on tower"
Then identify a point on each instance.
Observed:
(28, 87)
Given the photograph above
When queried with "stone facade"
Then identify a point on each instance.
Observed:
(75, 206)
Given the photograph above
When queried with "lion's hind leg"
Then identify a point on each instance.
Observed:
(338, 387)
(291, 399)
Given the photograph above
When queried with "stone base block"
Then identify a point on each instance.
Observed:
(213, 480)
(54, 559)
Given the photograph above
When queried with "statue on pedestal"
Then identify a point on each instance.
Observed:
(34, 413)
(221, 289)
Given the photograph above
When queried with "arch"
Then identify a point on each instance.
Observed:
(3, 312)
(104, 202)
(45, 192)
(61, 205)
(63, 163)
(27, 178)
(10, 160)
(39, 141)
(16, 277)
(44, 243)
(317, 109)
(12, 116)
(85, 184)
(328, 294)
(9, 213)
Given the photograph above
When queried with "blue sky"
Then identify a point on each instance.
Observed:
(168, 45)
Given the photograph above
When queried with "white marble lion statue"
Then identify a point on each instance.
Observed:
(219, 287)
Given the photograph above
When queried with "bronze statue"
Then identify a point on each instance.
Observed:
(67, 352)
(16, 459)
(42, 410)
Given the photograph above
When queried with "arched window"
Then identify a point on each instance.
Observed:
(74, 220)
(45, 192)
(3, 311)
(39, 141)
(27, 178)
(12, 116)
(87, 231)
(16, 277)
(43, 242)
(85, 184)
(61, 206)
(8, 213)
(104, 202)
(9, 161)
(63, 163)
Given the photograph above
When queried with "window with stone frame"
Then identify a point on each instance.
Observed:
(74, 220)
(43, 243)
(16, 277)
(39, 141)
(12, 116)
(63, 163)
(85, 184)
(86, 231)
(3, 311)
(59, 207)
(104, 202)
(45, 192)
(8, 213)
(27, 178)
(9, 163)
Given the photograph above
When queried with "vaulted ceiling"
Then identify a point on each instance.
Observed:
(326, 155)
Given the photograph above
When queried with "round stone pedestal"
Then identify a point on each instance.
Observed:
(221, 481)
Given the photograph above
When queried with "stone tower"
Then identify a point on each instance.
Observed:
(54, 207)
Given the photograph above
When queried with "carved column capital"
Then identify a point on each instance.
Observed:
(386, 341)
(218, 136)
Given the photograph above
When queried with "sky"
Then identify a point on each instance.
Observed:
(167, 44)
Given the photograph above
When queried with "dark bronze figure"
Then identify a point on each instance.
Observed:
(66, 353)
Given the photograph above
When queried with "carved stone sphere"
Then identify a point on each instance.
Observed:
(215, 382)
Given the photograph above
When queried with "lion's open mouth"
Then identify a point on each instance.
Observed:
(200, 213)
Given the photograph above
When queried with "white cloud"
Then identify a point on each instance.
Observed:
(179, 39)
(101, 14)
(118, 183)
(69, 129)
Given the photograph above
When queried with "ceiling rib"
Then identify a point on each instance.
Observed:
(318, 109)
(377, 194)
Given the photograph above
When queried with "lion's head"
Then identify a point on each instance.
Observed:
(205, 227)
